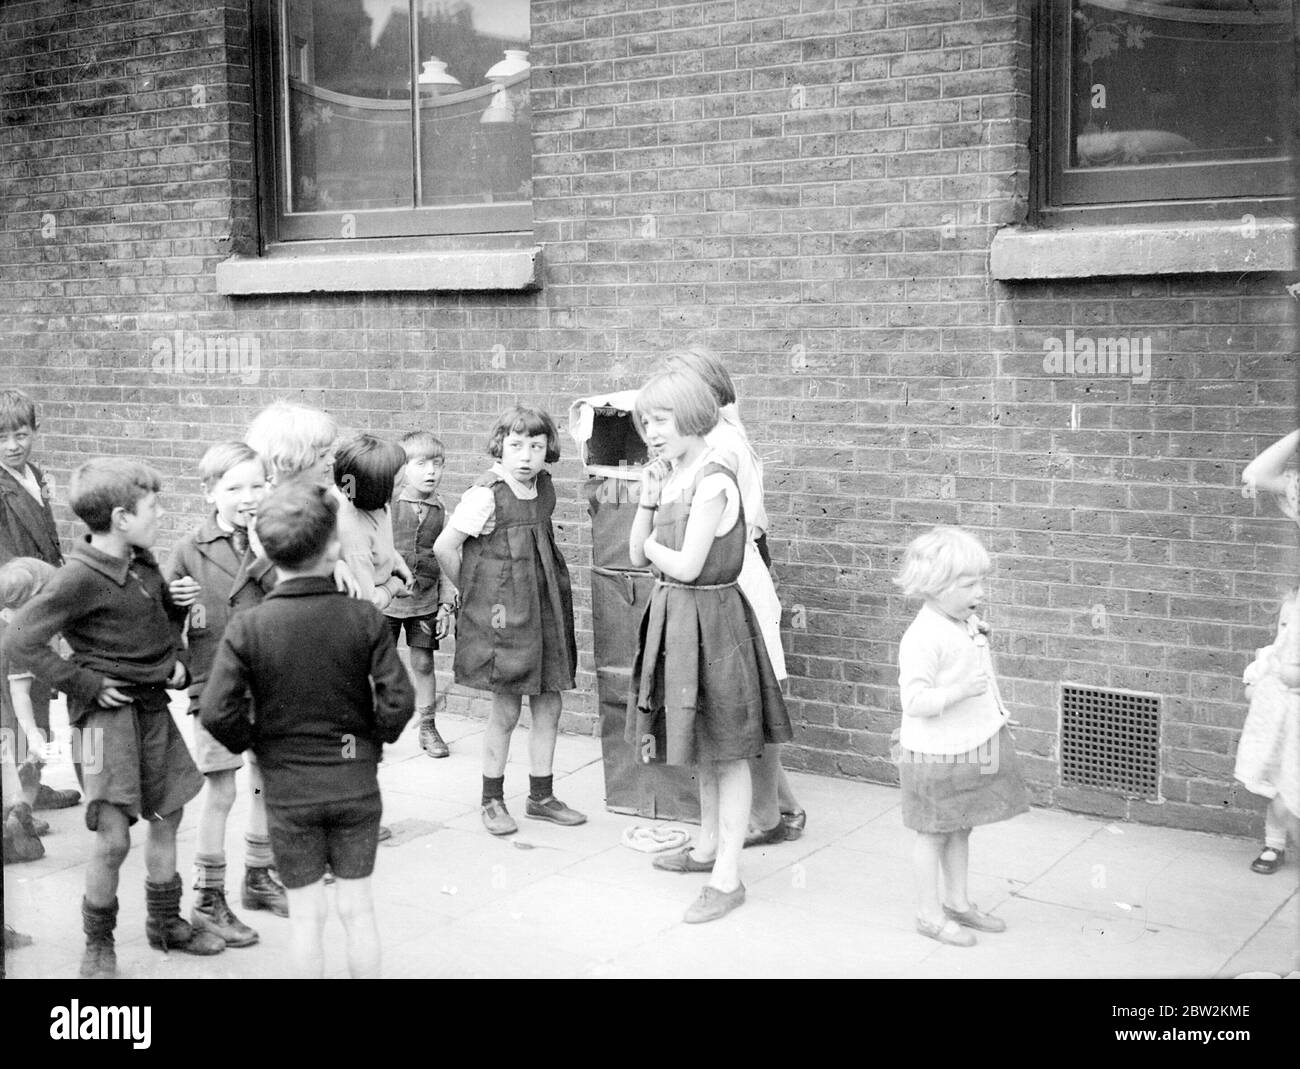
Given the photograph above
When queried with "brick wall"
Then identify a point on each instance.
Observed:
(811, 189)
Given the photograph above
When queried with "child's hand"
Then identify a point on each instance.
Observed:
(976, 685)
(442, 621)
(109, 697)
(184, 591)
(255, 543)
(178, 677)
(344, 581)
(652, 481)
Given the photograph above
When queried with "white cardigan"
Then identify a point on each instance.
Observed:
(936, 655)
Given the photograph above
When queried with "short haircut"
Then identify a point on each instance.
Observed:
(21, 580)
(530, 422)
(365, 468)
(223, 456)
(705, 363)
(106, 483)
(290, 437)
(685, 395)
(939, 558)
(421, 445)
(295, 524)
(16, 410)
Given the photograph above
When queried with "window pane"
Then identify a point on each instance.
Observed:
(348, 64)
(475, 146)
(1155, 82)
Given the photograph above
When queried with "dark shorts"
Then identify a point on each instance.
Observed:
(419, 631)
(306, 838)
(134, 757)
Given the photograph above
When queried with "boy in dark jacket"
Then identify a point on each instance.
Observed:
(27, 529)
(111, 606)
(215, 573)
(328, 690)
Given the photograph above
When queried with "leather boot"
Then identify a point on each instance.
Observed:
(167, 930)
(212, 914)
(263, 891)
(99, 962)
(20, 843)
(430, 741)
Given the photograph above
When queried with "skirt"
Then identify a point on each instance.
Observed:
(953, 792)
(1268, 755)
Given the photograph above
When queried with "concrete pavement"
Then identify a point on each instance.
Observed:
(1082, 897)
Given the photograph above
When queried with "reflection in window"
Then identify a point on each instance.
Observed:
(357, 137)
(1178, 81)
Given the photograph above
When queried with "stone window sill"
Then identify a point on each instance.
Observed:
(1265, 244)
(491, 269)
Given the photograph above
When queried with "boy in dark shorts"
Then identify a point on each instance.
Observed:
(327, 691)
(27, 529)
(427, 615)
(111, 606)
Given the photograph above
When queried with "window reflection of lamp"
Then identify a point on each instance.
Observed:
(500, 108)
(434, 79)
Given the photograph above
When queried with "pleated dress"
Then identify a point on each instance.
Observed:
(702, 685)
(514, 634)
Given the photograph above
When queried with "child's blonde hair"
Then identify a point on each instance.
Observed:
(223, 456)
(289, 437)
(683, 393)
(939, 558)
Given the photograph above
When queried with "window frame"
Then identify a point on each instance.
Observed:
(395, 229)
(1064, 195)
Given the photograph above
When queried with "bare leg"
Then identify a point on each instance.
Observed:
(706, 847)
(160, 848)
(257, 803)
(357, 912)
(112, 842)
(1276, 820)
(496, 735)
(307, 909)
(788, 803)
(426, 683)
(545, 711)
(218, 798)
(735, 794)
(926, 854)
(764, 771)
(956, 866)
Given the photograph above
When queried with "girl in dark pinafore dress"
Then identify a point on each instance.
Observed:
(704, 692)
(514, 635)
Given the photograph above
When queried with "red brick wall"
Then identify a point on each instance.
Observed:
(812, 194)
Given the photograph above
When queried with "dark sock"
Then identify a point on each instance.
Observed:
(494, 789)
(540, 787)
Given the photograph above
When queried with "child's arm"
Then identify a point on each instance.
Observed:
(685, 564)
(20, 692)
(27, 642)
(355, 554)
(394, 695)
(223, 707)
(918, 674)
(1267, 472)
(447, 550)
(652, 481)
